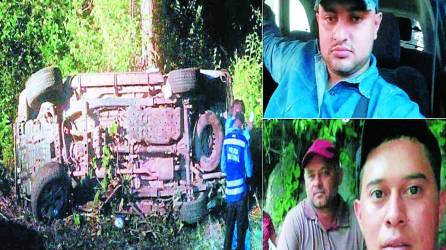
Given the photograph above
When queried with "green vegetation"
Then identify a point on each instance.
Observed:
(183, 23)
(193, 26)
(104, 37)
(77, 36)
(286, 141)
(29, 33)
(284, 182)
(247, 72)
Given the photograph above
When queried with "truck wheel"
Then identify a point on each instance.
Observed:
(50, 192)
(208, 141)
(191, 212)
(44, 85)
(182, 80)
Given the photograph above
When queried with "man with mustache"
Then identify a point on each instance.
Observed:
(336, 75)
(401, 203)
(323, 220)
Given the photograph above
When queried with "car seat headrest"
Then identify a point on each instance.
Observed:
(386, 47)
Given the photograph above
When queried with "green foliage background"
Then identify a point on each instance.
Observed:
(183, 22)
(246, 70)
(285, 143)
(198, 46)
(74, 35)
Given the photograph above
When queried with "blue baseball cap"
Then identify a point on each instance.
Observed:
(368, 4)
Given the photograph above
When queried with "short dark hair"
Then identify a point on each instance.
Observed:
(379, 131)
(239, 102)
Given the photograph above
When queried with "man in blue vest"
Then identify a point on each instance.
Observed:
(236, 107)
(236, 163)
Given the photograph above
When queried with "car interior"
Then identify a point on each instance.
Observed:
(411, 35)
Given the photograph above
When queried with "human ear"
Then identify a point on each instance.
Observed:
(377, 22)
(357, 208)
(316, 18)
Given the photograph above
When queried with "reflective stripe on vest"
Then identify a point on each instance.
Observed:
(234, 183)
(234, 191)
(233, 141)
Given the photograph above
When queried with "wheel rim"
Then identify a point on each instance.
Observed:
(52, 200)
(207, 140)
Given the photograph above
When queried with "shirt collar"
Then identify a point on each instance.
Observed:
(342, 215)
(364, 80)
(233, 129)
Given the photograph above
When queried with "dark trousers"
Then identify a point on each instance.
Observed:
(237, 211)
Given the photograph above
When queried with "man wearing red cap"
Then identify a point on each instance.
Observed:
(323, 220)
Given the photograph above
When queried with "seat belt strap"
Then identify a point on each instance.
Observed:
(361, 108)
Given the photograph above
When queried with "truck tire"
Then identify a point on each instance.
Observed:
(182, 80)
(44, 85)
(50, 192)
(191, 212)
(208, 141)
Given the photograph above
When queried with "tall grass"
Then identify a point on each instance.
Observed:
(77, 36)
(246, 70)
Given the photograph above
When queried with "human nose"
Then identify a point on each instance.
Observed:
(396, 213)
(318, 180)
(340, 31)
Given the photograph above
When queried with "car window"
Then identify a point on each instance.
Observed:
(298, 20)
(298, 17)
(416, 41)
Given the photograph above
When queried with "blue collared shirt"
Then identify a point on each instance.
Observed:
(303, 91)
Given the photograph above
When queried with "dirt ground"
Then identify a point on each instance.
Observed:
(97, 230)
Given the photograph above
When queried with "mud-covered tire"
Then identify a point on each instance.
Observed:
(50, 192)
(208, 144)
(44, 85)
(182, 80)
(193, 211)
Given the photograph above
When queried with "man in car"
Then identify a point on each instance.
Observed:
(236, 163)
(323, 220)
(401, 202)
(336, 75)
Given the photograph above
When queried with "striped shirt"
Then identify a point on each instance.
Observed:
(303, 230)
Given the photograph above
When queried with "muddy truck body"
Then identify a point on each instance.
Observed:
(160, 136)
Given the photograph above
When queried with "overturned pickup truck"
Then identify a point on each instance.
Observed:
(162, 134)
